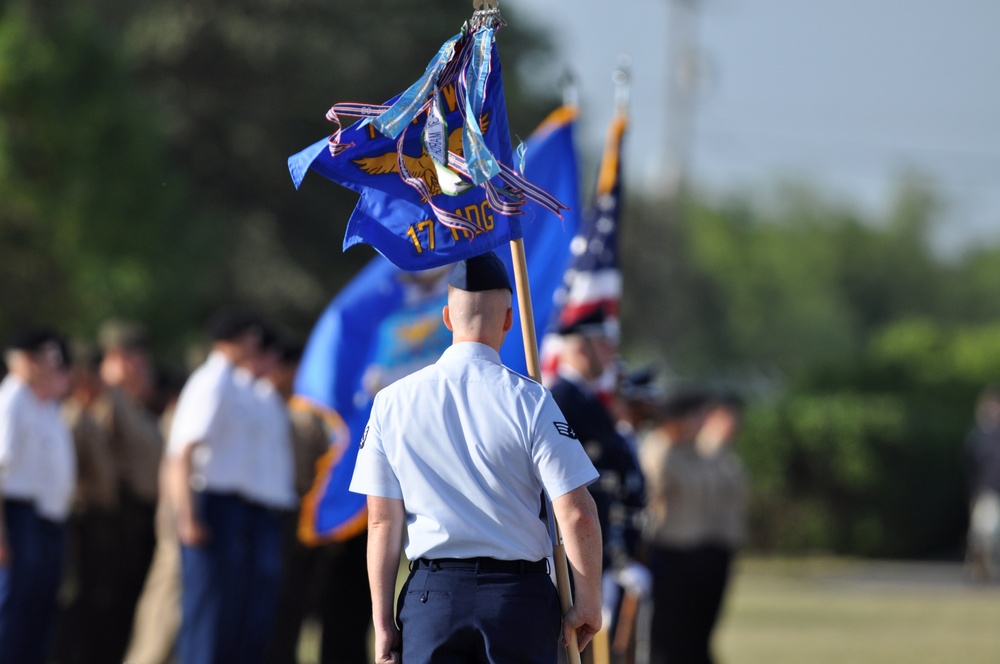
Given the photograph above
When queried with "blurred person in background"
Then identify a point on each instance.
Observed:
(230, 481)
(637, 404)
(982, 455)
(585, 358)
(133, 432)
(329, 579)
(716, 441)
(693, 522)
(91, 575)
(37, 477)
(158, 611)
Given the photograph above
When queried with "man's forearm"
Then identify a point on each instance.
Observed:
(385, 533)
(180, 496)
(4, 551)
(178, 478)
(576, 514)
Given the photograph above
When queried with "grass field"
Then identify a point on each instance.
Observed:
(842, 611)
(819, 611)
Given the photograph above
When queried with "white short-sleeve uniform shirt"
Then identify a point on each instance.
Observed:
(274, 463)
(37, 458)
(238, 437)
(468, 446)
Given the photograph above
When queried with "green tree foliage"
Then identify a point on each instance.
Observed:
(790, 284)
(873, 346)
(87, 207)
(820, 465)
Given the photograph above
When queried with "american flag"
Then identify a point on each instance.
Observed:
(593, 279)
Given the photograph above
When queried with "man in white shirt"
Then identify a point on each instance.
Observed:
(229, 505)
(37, 477)
(459, 454)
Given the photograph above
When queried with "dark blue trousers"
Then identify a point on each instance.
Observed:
(29, 585)
(688, 588)
(450, 616)
(230, 585)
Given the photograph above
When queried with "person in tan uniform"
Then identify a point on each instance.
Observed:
(688, 558)
(137, 446)
(81, 629)
(158, 612)
(716, 441)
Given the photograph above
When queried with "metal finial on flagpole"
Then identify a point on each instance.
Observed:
(570, 89)
(621, 78)
(487, 12)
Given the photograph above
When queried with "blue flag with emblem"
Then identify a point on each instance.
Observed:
(387, 323)
(434, 165)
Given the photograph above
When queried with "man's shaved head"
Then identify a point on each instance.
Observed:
(483, 316)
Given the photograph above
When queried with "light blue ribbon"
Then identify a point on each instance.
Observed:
(482, 165)
(410, 103)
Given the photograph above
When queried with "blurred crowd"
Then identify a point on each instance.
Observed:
(147, 515)
(151, 517)
(671, 498)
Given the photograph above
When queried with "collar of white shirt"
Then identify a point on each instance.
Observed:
(470, 350)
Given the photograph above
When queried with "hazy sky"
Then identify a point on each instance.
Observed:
(848, 95)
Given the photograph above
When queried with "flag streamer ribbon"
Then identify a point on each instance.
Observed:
(482, 164)
(350, 109)
(414, 101)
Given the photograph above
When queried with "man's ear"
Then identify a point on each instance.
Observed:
(446, 316)
(509, 320)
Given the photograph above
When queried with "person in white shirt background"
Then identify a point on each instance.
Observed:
(230, 483)
(37, 479)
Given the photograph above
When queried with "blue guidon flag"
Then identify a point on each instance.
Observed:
(434, 165)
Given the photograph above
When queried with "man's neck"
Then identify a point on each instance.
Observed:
(458, 339)
(30, 378)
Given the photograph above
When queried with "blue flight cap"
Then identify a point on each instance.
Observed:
(480, 273)
(640, 385)
(597, 322)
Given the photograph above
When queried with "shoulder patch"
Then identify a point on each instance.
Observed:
(364, 436)
(565, 430)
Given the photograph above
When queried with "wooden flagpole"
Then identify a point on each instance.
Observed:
(535, 371)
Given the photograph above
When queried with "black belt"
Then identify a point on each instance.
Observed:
(487, 565)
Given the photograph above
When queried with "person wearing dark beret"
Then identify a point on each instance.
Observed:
(589, 345)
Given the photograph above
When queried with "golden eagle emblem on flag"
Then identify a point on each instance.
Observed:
(419, 167)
